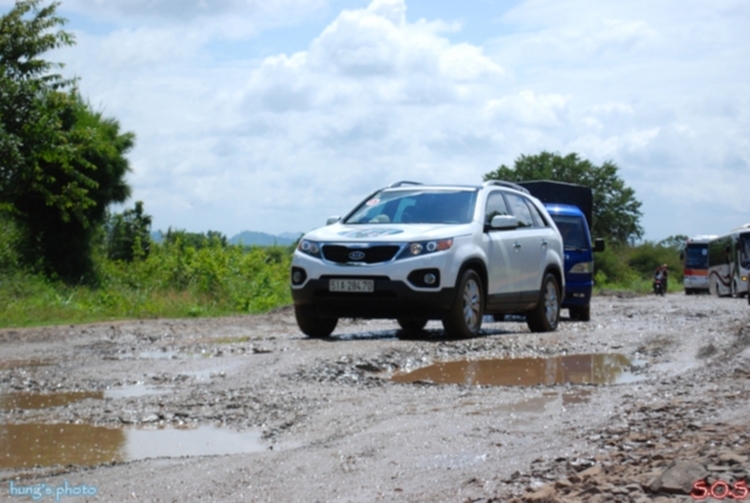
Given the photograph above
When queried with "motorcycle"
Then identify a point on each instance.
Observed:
(658, 285)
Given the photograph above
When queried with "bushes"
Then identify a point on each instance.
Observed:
(173, 281)
(632, 267)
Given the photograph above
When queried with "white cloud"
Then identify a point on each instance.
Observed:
(278, 141)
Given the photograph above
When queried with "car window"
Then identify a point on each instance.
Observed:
(539, 219)
(495, 206)
(520, 210)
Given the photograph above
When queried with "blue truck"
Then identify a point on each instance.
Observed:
(571, 207)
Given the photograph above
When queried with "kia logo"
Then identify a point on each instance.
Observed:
(357, 255)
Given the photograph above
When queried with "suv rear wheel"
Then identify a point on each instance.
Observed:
(313, 325)
(546, 314)
(464, 318)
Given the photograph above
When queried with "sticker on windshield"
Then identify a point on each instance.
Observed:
(370, 233)
(372, 202)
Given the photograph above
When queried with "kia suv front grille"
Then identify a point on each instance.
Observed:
(372, 255)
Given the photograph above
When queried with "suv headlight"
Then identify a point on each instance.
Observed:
(309, 247)
(425, 247)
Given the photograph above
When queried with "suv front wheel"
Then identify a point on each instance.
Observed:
(313, 325)
(546, 314)
(464, 318)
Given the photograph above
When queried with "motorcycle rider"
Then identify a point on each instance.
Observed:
(659, 279)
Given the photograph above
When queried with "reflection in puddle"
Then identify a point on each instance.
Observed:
(28, 401)
(134, 391)
(157, 355)
(32, 401)
(576, 369)
(27, 445)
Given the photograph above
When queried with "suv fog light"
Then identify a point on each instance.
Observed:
(298, 276)
(425, 278)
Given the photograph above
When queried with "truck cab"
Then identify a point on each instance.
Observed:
(571, 208)
(579, 258)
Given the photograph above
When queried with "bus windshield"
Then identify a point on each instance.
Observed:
(696, 256)
(743, 249)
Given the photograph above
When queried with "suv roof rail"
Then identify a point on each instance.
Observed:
(510, 185)
(403, 182)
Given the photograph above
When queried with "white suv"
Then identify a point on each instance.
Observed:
(418, 252)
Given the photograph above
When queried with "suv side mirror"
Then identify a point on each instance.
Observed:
(504, 222)
(332, 220)
(599, 245)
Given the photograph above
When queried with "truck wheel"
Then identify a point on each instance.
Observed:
(313, 325)
(545, 316)
(464, 318)
(412, 324)
(581, 313)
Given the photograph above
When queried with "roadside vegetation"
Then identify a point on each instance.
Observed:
(173, 280)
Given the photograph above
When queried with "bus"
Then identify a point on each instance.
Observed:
(729, 263)
(695, 264)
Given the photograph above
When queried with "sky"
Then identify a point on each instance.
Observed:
(272, 115)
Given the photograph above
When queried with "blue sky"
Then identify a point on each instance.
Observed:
(272, 116)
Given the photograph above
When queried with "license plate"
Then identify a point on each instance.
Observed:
(351, 285)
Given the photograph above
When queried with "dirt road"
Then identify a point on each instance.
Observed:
(636, 405)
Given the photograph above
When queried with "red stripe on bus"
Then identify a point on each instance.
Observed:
(696, 272)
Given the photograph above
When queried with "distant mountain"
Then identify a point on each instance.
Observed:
(252, 238)
(293, 236)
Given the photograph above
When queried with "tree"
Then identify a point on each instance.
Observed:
(676, 242)
(616, 210)
(129, 234)
(61, 163)
(195, 240)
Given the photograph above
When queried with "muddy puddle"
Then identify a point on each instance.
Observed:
(28, 445)
(32, 401)
(14, 364)
(29, 401)
(567, 369)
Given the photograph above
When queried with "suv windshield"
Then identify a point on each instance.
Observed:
(417, 206)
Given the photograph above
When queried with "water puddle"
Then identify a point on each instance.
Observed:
(13, 364)
(208, 373)
(574, 369)
(32, 401)
(27, 445)
(29, 401)
(157, 355)
(134, 391)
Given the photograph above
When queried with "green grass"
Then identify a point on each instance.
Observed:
(173, 282)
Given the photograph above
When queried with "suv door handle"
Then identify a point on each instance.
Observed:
(544, 242)
(517, 245)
